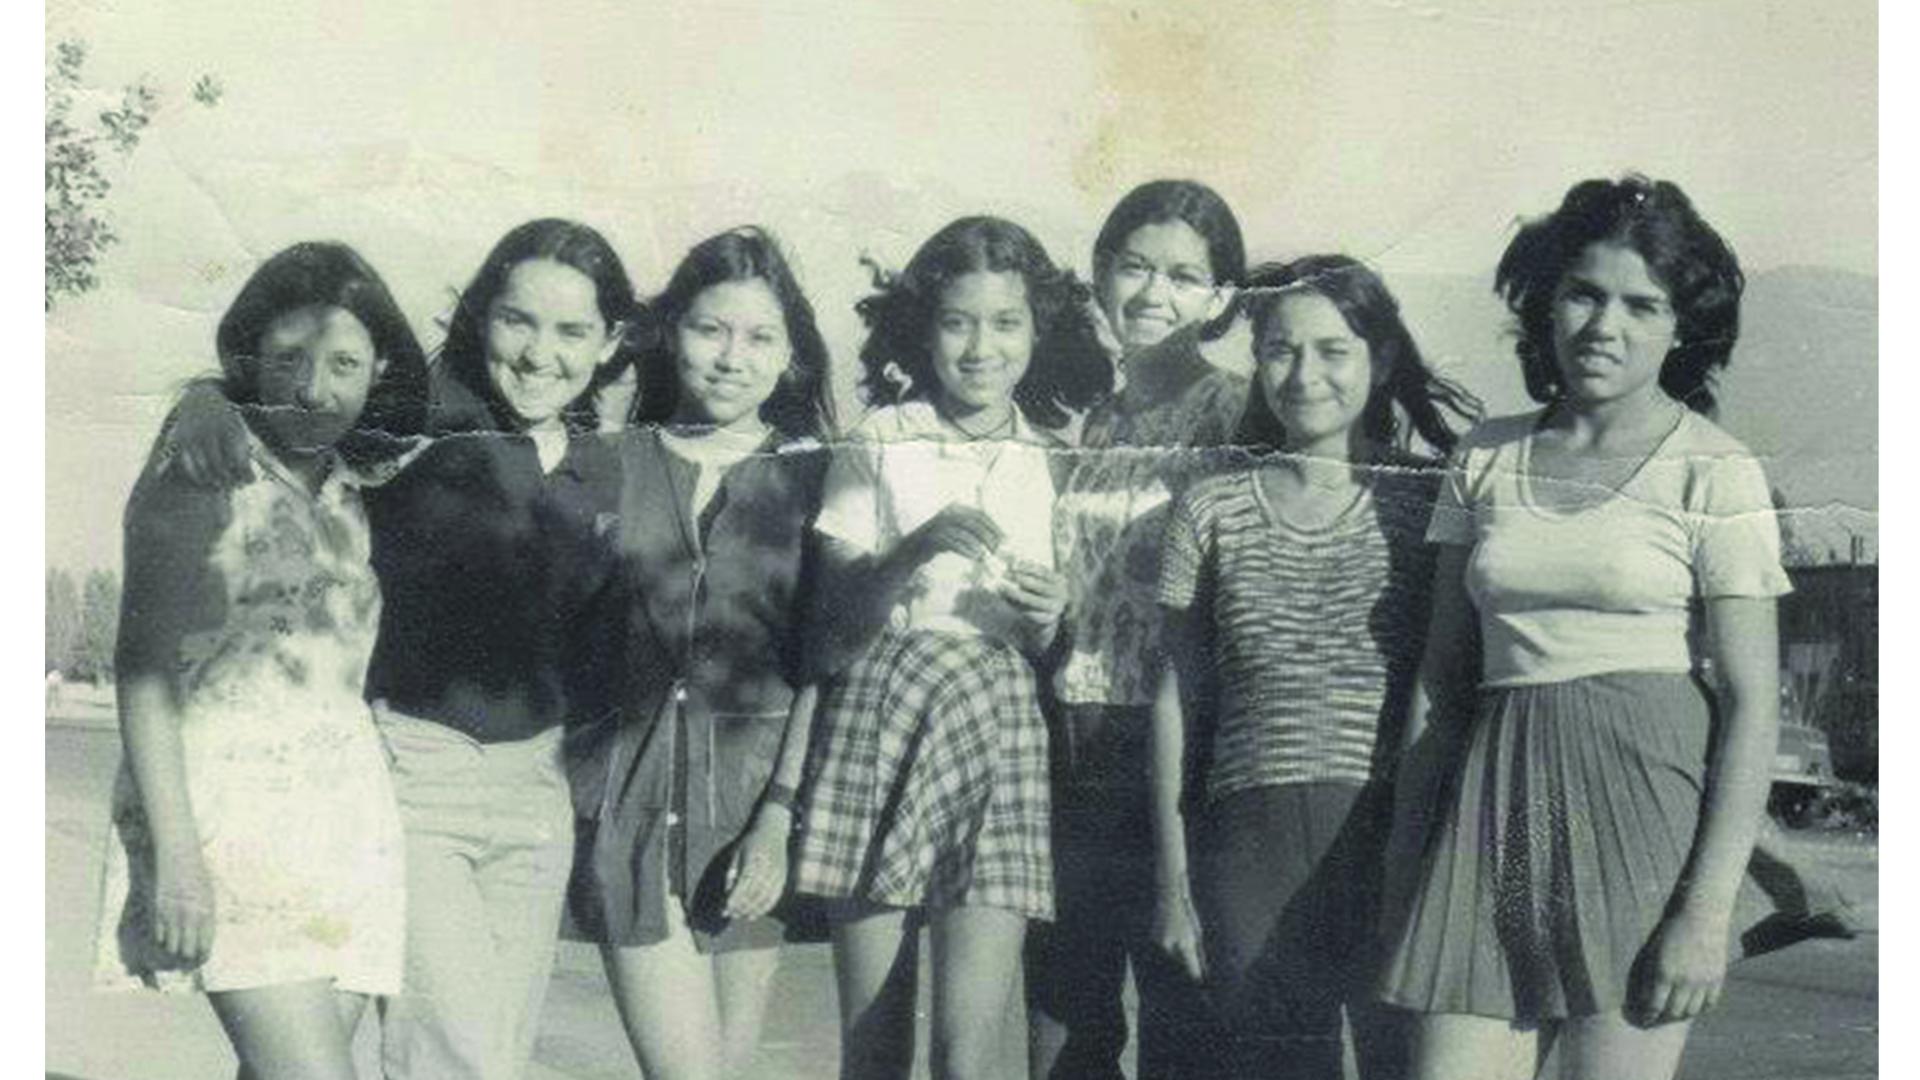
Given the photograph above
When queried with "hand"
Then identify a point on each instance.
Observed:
(963, 530)
(1037, 593)
(758, 873)
(183, 909)
(207, 441)
(1678, 974)
(1176, 930)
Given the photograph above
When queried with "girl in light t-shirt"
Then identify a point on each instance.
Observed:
(1577, 892)
(925, 798)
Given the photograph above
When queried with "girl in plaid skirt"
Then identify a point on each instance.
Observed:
(925, 797)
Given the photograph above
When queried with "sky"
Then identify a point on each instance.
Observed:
(1412, 134)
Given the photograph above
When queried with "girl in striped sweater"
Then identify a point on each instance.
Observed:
(1296, 585)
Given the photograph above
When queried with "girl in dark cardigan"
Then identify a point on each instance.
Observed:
(685, 795)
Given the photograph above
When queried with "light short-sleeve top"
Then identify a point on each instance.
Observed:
(900, 466)
(1568, 594)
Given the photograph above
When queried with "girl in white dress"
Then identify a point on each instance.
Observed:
(256, 852)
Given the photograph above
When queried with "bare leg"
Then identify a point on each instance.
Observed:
(976, 962)
(1450, 1046)
(1614, 1048)
(743, 978)
(286, 1032)
(876, 960)
(665, 995)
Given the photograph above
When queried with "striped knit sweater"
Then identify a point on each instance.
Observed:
(1312, 637)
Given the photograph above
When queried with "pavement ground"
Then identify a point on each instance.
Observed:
(1807, 1012)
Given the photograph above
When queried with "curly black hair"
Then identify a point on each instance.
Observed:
(1070, 368)
(1683, 254)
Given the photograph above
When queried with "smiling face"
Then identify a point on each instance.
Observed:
(544, 338)
(1315, 373)
(730, 349)
(316, 368)
(1160, 279)
(1613, 326)
(983, 336)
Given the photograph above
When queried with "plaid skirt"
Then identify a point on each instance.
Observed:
(926, 781)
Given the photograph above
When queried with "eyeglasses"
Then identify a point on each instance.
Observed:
(1181, 279)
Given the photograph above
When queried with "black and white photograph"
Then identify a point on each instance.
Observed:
(974, 540)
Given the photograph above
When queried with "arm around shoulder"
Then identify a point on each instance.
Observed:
(204, 438)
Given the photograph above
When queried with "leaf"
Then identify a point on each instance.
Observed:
(77, 230)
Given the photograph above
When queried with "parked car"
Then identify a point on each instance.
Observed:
(1802, 774)
(1802, 757)
(1805, 791)
(1802, 760)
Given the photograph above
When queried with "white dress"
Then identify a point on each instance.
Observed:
(263, 606)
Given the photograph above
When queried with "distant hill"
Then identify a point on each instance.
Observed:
(1804, 385)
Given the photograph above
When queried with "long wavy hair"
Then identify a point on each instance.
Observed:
(801, 405)
(1070, 368)
(1409, 400)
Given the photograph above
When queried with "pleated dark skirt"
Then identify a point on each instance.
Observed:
(1573, 812)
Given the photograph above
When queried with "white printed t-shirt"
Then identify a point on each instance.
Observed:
(900, 466)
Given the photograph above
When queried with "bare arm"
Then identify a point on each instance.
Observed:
(1686, 959)
(1745, 649)
(150, 730)
(1176, 925)
(183, 895)
(794, 740)
(1450, 660)
(759, 871)
(171, 526)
